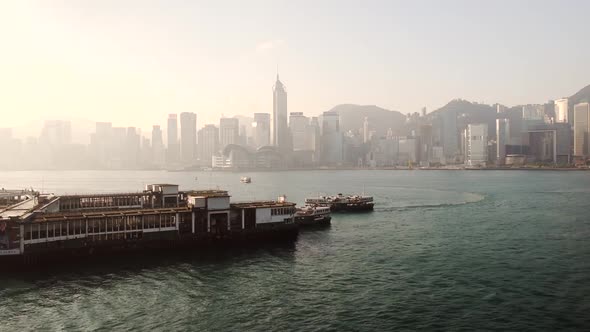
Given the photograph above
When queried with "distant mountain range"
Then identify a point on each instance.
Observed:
(380, 119)
(580, 96)
(352, 118)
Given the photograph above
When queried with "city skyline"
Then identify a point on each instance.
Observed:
(72, 71)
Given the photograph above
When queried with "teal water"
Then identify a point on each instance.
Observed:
(453, 250)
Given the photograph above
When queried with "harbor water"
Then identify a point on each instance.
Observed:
(452, 250)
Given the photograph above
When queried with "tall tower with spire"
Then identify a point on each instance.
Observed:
(280, 128)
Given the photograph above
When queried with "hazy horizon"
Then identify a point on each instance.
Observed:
(134, 63)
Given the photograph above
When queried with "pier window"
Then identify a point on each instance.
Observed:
(34, 231)
(28, 234)
(42, 231)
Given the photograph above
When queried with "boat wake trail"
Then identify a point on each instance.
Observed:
(469, 198)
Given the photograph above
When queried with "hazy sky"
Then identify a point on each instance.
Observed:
(133, 62)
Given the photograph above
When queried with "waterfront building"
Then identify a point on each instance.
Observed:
(173, 149)
(280, 129)
(438, 156)
(261, 126)
(132, 148)
(502, 139)
(229, 132)
(101, 144)
(332, 139)
(561, 111)
(157, 146)
(581, 130)
(501, 108)
(476, 144)
(188, 137)
(314, 138)
(533, 112)
(450, 134)
(426, 141)
(550, 143)
(549, 108)
(208, 144)
(407, 153)
(56, 133)
(298, 127)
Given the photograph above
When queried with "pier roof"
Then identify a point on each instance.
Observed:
(208, 193)
(114, 213)
(261, 204)
(19, 209)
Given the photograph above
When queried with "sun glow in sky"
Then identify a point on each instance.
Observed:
(133, 62)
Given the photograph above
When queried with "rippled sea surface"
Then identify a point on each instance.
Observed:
(453, 250)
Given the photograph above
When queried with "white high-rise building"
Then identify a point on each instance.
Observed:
(229, 132)
(280, 128)
(502, 139)
(173, 150)
(208, 144)
(188, 137)
(56, 133)
(561, 111)
(157, 146)
(581, 130)
(261, 129)
(533, 112)
(332, 140)
(476, 144)
(298, 127)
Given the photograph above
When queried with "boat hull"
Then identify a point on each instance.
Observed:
(345, 207)
(313, 221)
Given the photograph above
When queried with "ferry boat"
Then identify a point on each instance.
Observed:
(310, 215)
(37, 229)
(342, 202)
(245, 179)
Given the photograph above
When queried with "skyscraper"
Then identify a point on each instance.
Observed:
(581, 129)
(208, 144)
(101, 143)
(533, 112)
(502, 139)
(298, 127)
(132, 148)
(188, 137)
(314, 138)
(280, 129)
(476, 144)
(173, 148)
(56, 133)
(229, 132)
(261, 129)
(561, 111)
(157, 146)
(331, 147)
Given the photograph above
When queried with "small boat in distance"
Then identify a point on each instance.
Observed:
(342, 202)
(245, 179)
(310, 215)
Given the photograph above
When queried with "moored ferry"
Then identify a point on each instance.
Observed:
(309, 215)
(37, 228)
(342, 202)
